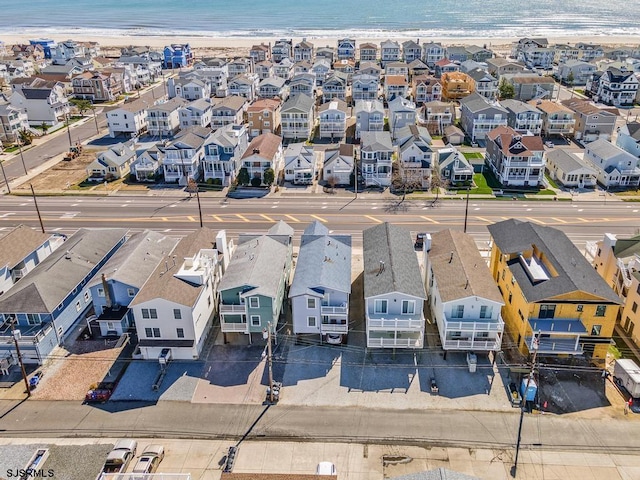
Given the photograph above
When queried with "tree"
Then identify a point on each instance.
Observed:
(81, 104)
(570, 79)
(269, 176)
(243, 176)
(192, 186)
(506, 90)
(25, 137)
(332, 181)
(44, 127)
(437, 182)
(404, 179)
(256, 182)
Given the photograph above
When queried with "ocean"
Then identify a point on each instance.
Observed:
(318, 18)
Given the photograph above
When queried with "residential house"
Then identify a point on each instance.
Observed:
(189, 88)
(457, 85)
(120, 279)
(576, 72)
(265, 69)
(395, 86)
(144, 69)
(556, 118)
(393, 289)
(515, 159)
(321, 69)
(479, 54)
(12, 121)
(478, 116)
(613, 87)
(346, 48)
(531, 86)
(97, 86)
(589, 51)
(241, 66)
(281, 49)
(364, 87)
(591, 121)
(376, 158)
(284, 69)
(335, 86)
(244, 86)
(177, 56)
(222, 153)
(402, 112)
(273, 87)
(47, 45)
(299, 164)
(263, 153)
(337, 168)
(397, 68)
(417, 68)
(445, 66)
(302, 67)
(453, 167)
(113, 163)
(255, 283)
(62, 52)
(617, 260)
(228, 111)
(411, 51)
(44, 101)
(534, 53)
(196, 114)
(215, 76)
(426, 89)
(303, 83)
(264, 116)
(303, 51)
(163, 119)
(183, 156)
(523, 117)
(260, 53)
(321, 285)
(465, 301)
(369, 116)
(569, 169)
(499, 66)
(129, 119)
(628, 138)
(147, 167)
(389, 52)
(368, 52)
(484, 83)
(370, 68)
(54, 296)
(21, 250)
(175, 307)
(437, 116)
(325, 53)
(555, 301)
(453, 135)
(332, 119)
(432, 53)
(297, 115)
(457, 53)
(415, 157)
(563, 53)
(346, 66)
(615, 167)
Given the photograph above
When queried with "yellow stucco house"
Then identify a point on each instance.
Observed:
(550, 289)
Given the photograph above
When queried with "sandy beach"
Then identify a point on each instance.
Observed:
(235, 46)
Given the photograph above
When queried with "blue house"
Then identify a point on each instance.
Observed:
(46, 43)
(177, 56)
(47, 302)
(120, 279)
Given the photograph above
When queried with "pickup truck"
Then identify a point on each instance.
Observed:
(119, 458)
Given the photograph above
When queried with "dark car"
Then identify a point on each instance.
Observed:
(419, 245)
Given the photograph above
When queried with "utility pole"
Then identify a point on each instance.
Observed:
(24, 165)
(68, 129)
(466, 210)
(35, 202)
(200, 209)
(16, 334)
(267, 335)
(534, 345)
(95, 119)
(6, 180)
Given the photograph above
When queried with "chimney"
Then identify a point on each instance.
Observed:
(451, 258)
(223, 247)
(105, 287)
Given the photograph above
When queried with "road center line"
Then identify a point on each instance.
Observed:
(292, 218)
(318, 218)
(559, 220)
(373, 218)
(429, 219)
(483, 219)
(242, 217)
(267, 217)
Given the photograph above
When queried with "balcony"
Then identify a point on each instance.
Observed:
(335, 327)
(480, 344)
(395, 324)
(415, 341)
(555, 345)
(229, 327)
(232, 308)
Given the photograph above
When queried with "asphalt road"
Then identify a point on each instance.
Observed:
(178, 214)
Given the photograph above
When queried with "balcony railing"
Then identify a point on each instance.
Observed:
(474, 326)
(394, 342)
(233, 326)
(394, 323)
(334, 328)
(232, 308)
(557, 346)
(471, 344)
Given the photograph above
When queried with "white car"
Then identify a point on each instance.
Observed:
(150, 459)
(334, 338)
(326, 468)
(549, 144)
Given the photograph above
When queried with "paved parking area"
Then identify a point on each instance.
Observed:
(178, 385)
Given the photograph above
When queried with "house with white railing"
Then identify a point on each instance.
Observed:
(614, 166)
(376, 158)
(183, 156)
(321, 286)
(222, 152)
(465, 301)
(332, 117)
(515, 159)
(393, 289)
(263, 153)
(300, 164)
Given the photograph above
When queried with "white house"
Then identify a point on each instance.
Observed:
(44, 101)
(629, 138)
(376, 158)
(338, 164)
(163, 118)
(332, 117)
(227, 111)
(569, 169)
(196, 114)
(321, 285)
(369, 116)
(364, 87)
(188, 88)
(113, 163)
(402, 112)
(300, 164)
(465, 301)
(130, 119)
(183, 156)
(415, 156)
(615, 167)
(389, 52)
(264, 152)
(222, 152)
(297, 117)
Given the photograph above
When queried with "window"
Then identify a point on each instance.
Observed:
(579, 308)
(156, 332)
(547, 311)
(458, 311)
(153, 313)
(255, 320)
(148, 332)
(311, 321)
(634, 307)
(600, 310)
(131, 292)
(177, 314)
(510, 296)
(380, 306)
(408, 307)
(86, 296)
(100, 292)
(180, 332)
(311, 303)
(503, 271)
(254, 302)
(78, 307)
(33, 319)
(145, 313)
(595, 330)
(485, 311)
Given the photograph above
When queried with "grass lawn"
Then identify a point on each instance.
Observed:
(551, 181)
(472, 155)
(481, 187)
(546, 191)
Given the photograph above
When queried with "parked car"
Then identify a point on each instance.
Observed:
(119, 458)
(326, 468)
(334, 338)
(549, 144)
(150, 459)
(419, 245)
(35, 380)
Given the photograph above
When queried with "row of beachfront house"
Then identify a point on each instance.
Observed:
(171, 290)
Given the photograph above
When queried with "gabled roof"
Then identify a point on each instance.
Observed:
(634, 130)
(574, 272)
(264, 104)
(299, 151)
(567, 161)
(162, 284)
(344, 152)
(299, 102)
(227, 136)
(118, 154)
(459, 269)
(606, 150)
(512, 143)
(324, 261)
(18, 243)
(375, 141)
(170, 105)
(135, 106)
(547, 106)
(273, 81)
(232, 102)
(516, 106)
(585, 107)
(192, 138)
(49, 283)
(476, 103)
(134, 262)
(627, 247)
(335, 104)
(266, 145)
(413, 134)
(369, 106)
(390, 262)
(449, 155)
(259, 261)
